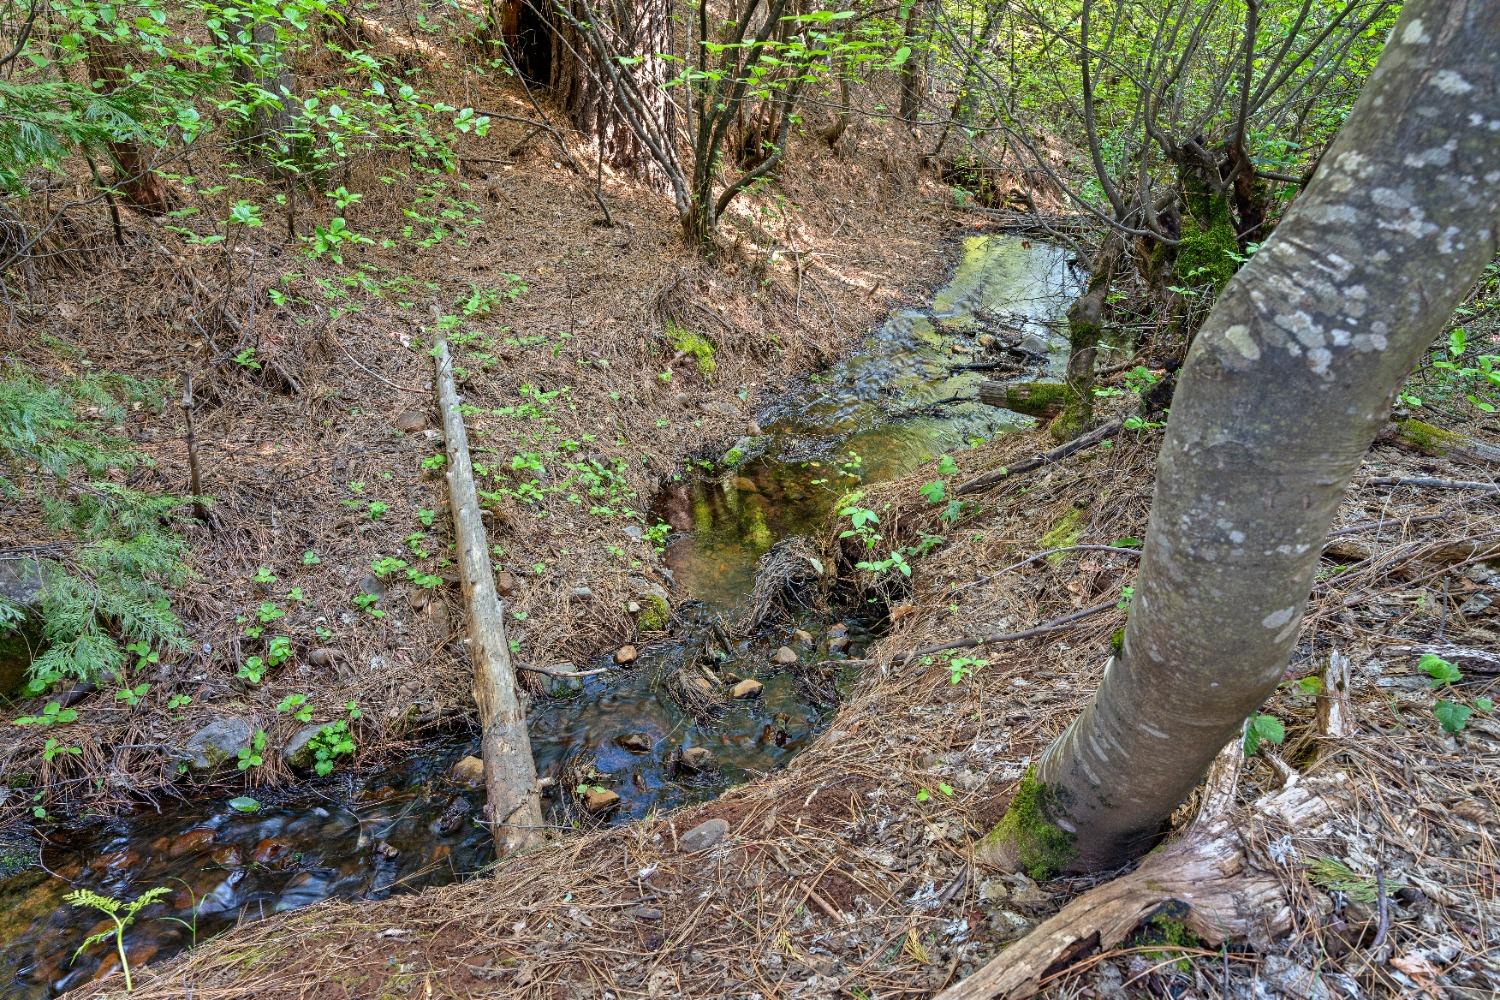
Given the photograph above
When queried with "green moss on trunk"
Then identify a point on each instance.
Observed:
(1026, 833)
(1427, 438)
(1037, 399)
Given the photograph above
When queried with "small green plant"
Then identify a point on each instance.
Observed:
(264, 576)
(56, 748)
(252, 755)
(311, 558)
(961, 668)
(132, 696)
(297, 706)
(386, 565)
(1262, 729)
(923, 794)
(1453, 716)
(53, 715)
(122, 914)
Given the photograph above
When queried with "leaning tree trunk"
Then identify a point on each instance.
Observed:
(1085, 328)
(914, 70)
(635, 29)
(1283, 391)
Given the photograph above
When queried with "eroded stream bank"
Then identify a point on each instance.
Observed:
(880, 413)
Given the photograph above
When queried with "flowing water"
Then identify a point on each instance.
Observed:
(891, 406)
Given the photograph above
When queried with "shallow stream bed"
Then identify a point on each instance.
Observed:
(878, 414)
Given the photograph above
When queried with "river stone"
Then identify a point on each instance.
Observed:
(696, 759)
(298, 752)
(217, 742)
(803, 637)
(1035, 343)
(599, 800)
(785, 656)
(634, 742)
(747, 688)
(703, 836)
(468, 772)
(625, 654)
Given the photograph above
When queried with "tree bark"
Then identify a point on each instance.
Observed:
(514, 805)
(134, 177)
(1283, 391)
(1085, 327)
(637, 29)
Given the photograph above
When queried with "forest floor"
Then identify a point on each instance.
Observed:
(847, 873)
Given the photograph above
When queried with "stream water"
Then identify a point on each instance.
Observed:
(881, 412)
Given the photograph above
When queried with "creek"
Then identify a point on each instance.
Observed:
(898, 401)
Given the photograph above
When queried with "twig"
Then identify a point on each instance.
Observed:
(1434, 483)
(557, 670)
(1052, 552)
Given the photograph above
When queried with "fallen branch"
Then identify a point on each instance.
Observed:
(513, 805)
(1102, 433)
(561, 670)
(1055, 625)
(1434, 483)
(1116, 549)
(1481, 661)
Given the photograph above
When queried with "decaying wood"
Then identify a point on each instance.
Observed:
(1037, 399)
(1335, 717)
(514, 805)
(1452, 444)
(981, 483)
(1479, 661)
(1231, 890)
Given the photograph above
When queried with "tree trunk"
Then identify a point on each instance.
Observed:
(1284, 389)
(270, 121)
(134, 178)
(638, 29)
(914, 70)
(1085, 327)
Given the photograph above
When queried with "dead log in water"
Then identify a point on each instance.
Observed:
(514, 808)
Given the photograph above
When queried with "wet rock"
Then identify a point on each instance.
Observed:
(838, 644)
(506, 583)
(454, 816)
(747, 688)
(298, 752)
(803, 637)
(837, 629)
(227, 856)
(270, 851)
(411, 422)
(600, 800)
(193, 840)
(1034, 343)
(634, 742)
(745, 484)
(626, 654)
(468, 772)
(703, 836)
(784, 657)
(217, 742)
(563, 687)
(695, 760)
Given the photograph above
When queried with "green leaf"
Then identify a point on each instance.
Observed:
(1262, 729)
(1451, 715)
(1440, 670)
(244, 804)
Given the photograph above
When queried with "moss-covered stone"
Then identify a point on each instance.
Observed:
(654, 613)
(1427, 438)
(1026, 833)
(695, 346)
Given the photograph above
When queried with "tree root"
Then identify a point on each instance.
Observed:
(1216, 867)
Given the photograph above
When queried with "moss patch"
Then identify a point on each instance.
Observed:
(1209, 249)
(1427, 438)
(1036, 399)
(1166, 928)
(695, 346)
(1040, 845)
(1066, 531)
(654, 613)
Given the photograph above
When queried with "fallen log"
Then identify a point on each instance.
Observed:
(513, 806)
(1036, 399)
(1429, 439)
(1231, 891)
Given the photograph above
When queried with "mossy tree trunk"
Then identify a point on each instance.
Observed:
(1283, 391)
(1085, 327)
